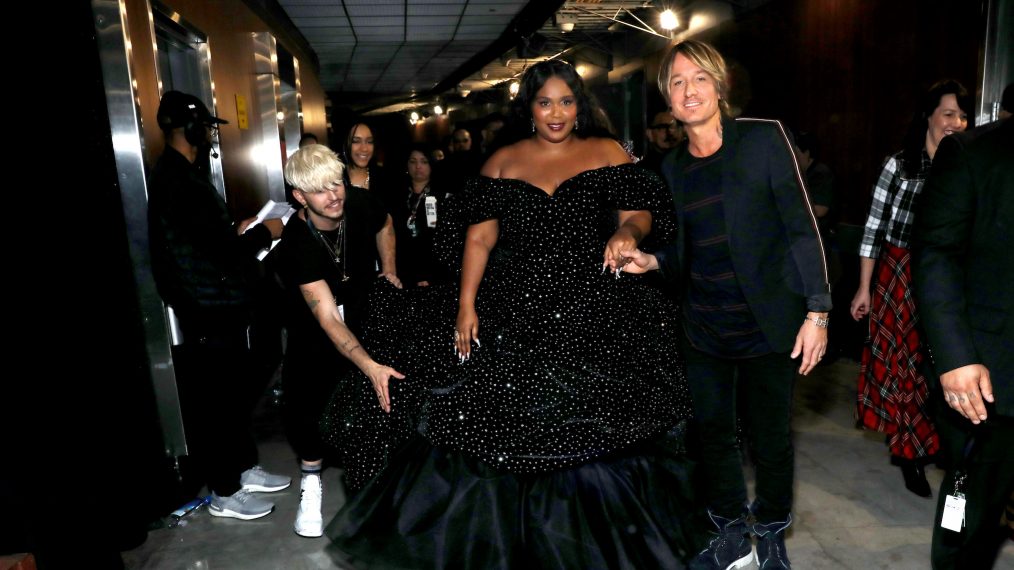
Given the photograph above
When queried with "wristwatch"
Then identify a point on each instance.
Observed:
(821, 322)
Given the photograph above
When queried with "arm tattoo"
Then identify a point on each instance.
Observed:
(310, 300)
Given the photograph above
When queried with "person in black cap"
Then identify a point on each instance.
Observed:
(206, 268)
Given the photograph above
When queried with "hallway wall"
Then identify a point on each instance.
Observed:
(849, 71)
(229, 25)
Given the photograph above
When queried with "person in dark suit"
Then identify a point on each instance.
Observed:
(749, 267)
(963, 268)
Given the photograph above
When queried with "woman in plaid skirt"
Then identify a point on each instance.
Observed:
(892, 395)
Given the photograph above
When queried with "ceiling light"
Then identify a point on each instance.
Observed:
(566, 22)
(438, 110)
(582, 70)
(514, 87)
(668, 20)
(414, 116)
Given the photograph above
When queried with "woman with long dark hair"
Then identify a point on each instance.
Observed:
(359, 150)
(370, 189)
(892, 394)
(557, 440)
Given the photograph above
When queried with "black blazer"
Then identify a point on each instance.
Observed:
(773, 237)
(963, 258)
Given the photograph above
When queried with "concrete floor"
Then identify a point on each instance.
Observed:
(852, 509)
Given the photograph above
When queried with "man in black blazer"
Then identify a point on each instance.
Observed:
(963, 273)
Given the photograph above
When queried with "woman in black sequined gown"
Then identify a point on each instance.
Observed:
(557, 442)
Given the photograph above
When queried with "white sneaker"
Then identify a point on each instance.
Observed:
(309, 520)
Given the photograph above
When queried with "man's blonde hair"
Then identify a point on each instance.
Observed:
(314, 168)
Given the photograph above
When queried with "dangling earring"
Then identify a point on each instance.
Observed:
(576, 125)
(533, 126)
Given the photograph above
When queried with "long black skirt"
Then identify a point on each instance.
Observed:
(433, 508)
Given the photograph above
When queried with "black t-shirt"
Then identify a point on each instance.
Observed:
(302, 258)
(416, 261)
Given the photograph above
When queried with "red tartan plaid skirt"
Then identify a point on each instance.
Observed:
(892, 394)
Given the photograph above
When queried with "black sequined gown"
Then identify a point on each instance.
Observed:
(559, 443)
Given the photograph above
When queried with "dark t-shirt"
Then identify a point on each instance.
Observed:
(718, 319)
(303, 258)
(416, 261)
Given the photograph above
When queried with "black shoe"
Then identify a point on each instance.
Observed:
(915, 479)
(730, 547)
(771, 553)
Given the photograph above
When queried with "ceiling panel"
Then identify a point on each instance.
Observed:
(444, 33)
(287, 3)
(481, 9)
(314, 11)
(321, 22)
(487, 30)
(433, 21)
(384, 10)
(487, 19)
(378, 21)
(435, 10)
(327, 34)
(393, 46)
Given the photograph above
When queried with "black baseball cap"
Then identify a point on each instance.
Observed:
(177, 109)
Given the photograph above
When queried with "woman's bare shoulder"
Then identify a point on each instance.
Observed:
(494, 164)
(504, 160)
(609, 149)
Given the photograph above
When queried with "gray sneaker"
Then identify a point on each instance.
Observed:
(239, 505)
(260, 481)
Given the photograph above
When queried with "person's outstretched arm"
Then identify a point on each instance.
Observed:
(319, 298)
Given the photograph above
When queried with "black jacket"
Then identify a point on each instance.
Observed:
(199, 262)
(962, 258)
(773, 239)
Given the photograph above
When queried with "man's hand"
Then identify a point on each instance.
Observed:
(638, 261)
(965, 389)
(392, 278)
(811, 342)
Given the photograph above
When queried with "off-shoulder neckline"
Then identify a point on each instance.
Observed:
(565, 182)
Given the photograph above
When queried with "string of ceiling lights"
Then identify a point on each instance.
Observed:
(667, 21)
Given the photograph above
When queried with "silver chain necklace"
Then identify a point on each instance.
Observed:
(335, 249)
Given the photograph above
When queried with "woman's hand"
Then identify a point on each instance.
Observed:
(621, 241)
(860, 306)
(466, 329)
(380, 376)
(638, 261)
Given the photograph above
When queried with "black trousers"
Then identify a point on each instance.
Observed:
(309, 381)
(989, 482)
(218, 388)
(714, 385)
